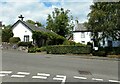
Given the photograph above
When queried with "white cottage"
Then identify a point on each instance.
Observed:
(23, 30)
(81, 34)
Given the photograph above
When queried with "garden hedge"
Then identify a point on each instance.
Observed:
(14, 39)
(34, 49)
(106, 51)
(26, 44)
(111, 50)
(65, 49)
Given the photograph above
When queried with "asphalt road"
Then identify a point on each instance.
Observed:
(18, 66)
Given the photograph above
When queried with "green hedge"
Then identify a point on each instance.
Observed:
(111, 50)
(14, 39)
(26, 44)
(106, 51)
(64, 49)
(101, 53)
(31, 50)
(34, 49)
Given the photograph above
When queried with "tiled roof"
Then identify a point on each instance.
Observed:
(80, 27)
(31, 26)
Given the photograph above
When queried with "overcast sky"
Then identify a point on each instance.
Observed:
(37, 10)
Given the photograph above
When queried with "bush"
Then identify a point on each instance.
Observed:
(38, 49)
(99, 53)
(107, 51)
(43, 48)
(67, 42)
(31, 50)
(113, 50)
(14, 39)
(64, 49)
(34, 49)
(26, 44)
(47, 38)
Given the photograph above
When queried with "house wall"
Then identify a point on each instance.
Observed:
(77, 37)
(20, 30)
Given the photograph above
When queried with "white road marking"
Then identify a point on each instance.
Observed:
(1, 75)
(23, 73)
(43, 74)
(60, 77)
(18, 76)
(96, 79)
(39, 77)
(84, 78)
(114, 81)
(5, 72)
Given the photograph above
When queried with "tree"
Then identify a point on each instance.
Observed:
(105, 18)
(59, 22)
(7, 33)
(47, 38)
(33, 22)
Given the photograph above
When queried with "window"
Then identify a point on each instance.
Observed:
(26, 38)
(83, 41)
(82, 35)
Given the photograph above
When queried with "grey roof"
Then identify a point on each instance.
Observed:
(31, 26)
(80, 27)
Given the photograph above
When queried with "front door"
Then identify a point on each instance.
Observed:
(26, 38)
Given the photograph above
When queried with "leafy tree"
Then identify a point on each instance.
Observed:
(47, 38)
(105, 18)
(59, 22)
(33, 22)
(7, 33)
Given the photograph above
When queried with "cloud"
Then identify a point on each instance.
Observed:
(38, 11)
(79, 10)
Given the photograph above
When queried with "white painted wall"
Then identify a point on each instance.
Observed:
(77, 37)
(20, 30)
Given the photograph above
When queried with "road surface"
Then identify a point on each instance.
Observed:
(18, 66)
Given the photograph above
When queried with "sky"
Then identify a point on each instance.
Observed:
(38, 10)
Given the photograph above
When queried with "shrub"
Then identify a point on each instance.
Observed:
(31, 50)
(38, 49)
(67, 42)
(64, 49)
(34, 49)
(113, 50)
(79, 44)
(59, 40)
(14, 39)
(110, 50)
(47, 38)
(107, 51)
(99, 53)
(26, 44)
(43, 48)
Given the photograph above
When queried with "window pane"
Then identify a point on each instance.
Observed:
(82, 35)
